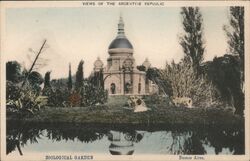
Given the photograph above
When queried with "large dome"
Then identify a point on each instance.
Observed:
(120, 43)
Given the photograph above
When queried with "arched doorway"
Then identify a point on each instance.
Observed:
(127, 88)
(112, 88)
(139, 88)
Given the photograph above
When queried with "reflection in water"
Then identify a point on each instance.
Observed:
(18, 137)
(123, 143)
(186, 142)
(131, 141)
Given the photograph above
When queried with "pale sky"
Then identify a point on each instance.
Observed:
(85, 33)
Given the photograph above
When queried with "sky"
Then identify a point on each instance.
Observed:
(85, 33)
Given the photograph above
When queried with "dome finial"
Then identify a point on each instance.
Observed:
(121, 32)
(120, 41)
(120, 15)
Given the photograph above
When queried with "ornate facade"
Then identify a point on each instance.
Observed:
(120, 76)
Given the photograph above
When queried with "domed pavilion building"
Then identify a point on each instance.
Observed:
(120, 76)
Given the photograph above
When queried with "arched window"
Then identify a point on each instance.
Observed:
(139, 88)
(112, 88)
(127, 88)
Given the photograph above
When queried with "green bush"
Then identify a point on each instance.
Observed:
(23, 100)
(92, 95)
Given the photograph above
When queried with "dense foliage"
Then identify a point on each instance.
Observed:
(185, 83)
(26, 98)
(13, 71)
(97, 79)
(86, 92)
(23, 100)
(224, 72)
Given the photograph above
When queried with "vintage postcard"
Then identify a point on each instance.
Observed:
(125, 80)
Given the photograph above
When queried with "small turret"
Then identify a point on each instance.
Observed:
(146, 64)
(98, 65)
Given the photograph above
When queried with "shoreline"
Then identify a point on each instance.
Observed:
(161, 116)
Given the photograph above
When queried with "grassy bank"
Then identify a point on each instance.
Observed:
(113, 113)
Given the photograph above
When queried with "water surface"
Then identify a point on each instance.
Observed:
(26, 139)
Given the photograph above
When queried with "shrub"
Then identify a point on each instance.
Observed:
(23, 100)
(75, 99)
(185, 83)
(92, 95)
(88, 94)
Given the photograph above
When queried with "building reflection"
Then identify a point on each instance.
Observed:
(122, 143)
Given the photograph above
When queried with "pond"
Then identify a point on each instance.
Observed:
(25, 139)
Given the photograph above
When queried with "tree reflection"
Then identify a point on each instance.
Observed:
(182, 140)
(194, 141)
(83, 135)
(232, 138)
(19, 136)
(186, 142)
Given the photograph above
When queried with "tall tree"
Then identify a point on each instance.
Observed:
(225, 75)
(79, 75)
(13, 71)
(47, 80)
(235, 35)
(69, 78)
(47, 88)
(192, 40)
